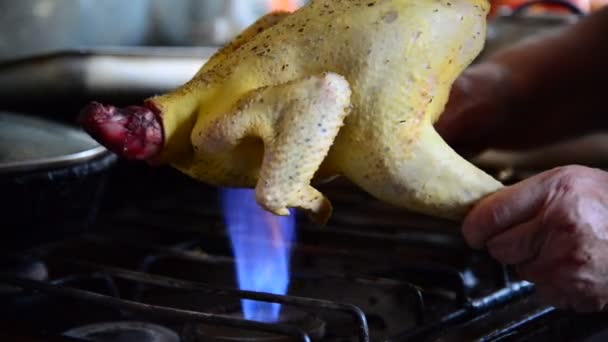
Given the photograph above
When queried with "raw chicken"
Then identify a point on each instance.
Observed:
(340, 87)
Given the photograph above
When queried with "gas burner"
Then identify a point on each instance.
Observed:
(123, 332)
(22, 268)
(308, 323)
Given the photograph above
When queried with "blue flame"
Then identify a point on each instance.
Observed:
(261, 244)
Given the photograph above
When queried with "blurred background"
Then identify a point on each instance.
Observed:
(56, 55)
(41, 26)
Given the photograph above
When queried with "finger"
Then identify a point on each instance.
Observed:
(575, 300)
(580, 287)
(519, 244)
(548, 295)
(544, 274)
(537, 271)
(585, 303)
(508, 207)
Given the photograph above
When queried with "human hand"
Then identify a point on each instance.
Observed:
(535, 92)
(553, 228)
(476, 109)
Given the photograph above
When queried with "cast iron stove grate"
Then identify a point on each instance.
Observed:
(162, 266)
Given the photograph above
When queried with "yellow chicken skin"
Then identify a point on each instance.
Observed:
(338, 88)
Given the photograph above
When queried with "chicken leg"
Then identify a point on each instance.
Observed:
(297, 123)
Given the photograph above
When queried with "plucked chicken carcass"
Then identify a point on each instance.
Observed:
(340, 87)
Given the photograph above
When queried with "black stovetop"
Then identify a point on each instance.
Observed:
(159, 255)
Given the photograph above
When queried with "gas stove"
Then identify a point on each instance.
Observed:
(157, 265)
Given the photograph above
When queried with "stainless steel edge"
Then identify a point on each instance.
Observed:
(96, 72)
(55, 162)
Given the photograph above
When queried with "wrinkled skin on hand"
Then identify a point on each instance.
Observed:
(554, 229)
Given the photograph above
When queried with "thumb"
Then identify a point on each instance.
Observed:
(505, 209)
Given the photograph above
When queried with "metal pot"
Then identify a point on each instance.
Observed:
(52, 178)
